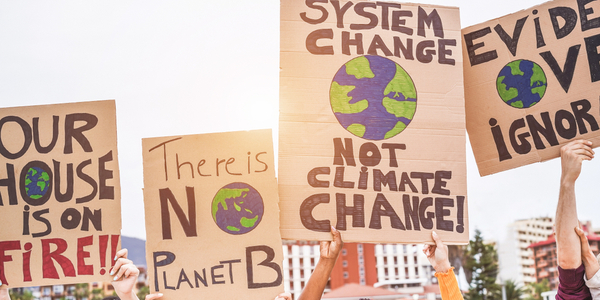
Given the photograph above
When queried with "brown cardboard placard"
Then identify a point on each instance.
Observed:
(212, 218)
(531, 83)
(60, 197)
(372, 126)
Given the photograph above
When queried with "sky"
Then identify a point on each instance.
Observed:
(189, 67)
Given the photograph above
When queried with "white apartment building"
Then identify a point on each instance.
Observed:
(299, 261)
(515, 258)
(403, 267)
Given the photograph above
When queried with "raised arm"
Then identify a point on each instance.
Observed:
(437, 255)
(318, 280)
(590, 262)
(568, 244)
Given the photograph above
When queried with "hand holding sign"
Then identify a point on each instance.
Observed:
(437, 254)
(331, 249)
(590, 261)
(282, 296)
(572, 155)
(4, 292)
(329, 254)
(126, 276)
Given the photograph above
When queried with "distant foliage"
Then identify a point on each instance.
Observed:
(535, 290)
(26, 295)
(513, 291)
(82, 291)
(482, 262)
(143, 292)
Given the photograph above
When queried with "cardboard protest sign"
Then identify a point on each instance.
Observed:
(372, 125)
(60, 198)
(212, 219)
(531, 83)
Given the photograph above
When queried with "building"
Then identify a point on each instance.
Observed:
(515, 257)
(356, 264)
(404, 268)
(79, 291)
(299, 261)
(546, 261)
(401, 268)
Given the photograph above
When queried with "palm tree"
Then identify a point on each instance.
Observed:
(536, 289)
(513, 291)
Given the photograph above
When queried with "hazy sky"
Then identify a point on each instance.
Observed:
(186, 67)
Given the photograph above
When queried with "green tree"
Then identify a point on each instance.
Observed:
(513, 291)
(536, 289)
(482, 262)
(82, 291)
(13, 294)
(97, 294)
(143, 292)
(25, 295)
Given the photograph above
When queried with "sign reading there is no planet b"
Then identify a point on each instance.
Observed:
(212, 219)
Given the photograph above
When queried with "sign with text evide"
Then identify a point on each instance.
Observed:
(60, 198)
(531, 83)
(372, 124)
(212, 219)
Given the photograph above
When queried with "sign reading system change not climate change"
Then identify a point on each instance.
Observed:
(372, 125)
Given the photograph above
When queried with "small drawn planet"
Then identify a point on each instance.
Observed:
(521, 83)
(237, 208)
(37, 182)
(373, 97)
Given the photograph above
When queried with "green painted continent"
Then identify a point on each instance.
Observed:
(400, 108)
(340, 101)
(505, 94)
(224, 194)
(359, 68)
(515, 67)
(401, 83)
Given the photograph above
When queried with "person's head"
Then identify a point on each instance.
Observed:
(111, 298)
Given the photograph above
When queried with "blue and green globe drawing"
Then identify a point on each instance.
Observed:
(521, 83)
(373, 98)
(237, 208)
(37, 182)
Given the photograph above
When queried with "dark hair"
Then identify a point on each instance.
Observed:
(111, 298)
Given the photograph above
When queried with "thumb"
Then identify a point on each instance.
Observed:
(337, 237)
(437, 240)
(580, 232)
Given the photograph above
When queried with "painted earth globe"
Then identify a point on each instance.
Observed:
(37, 182)
(521, 83)
(372, 97)
(237, 208)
